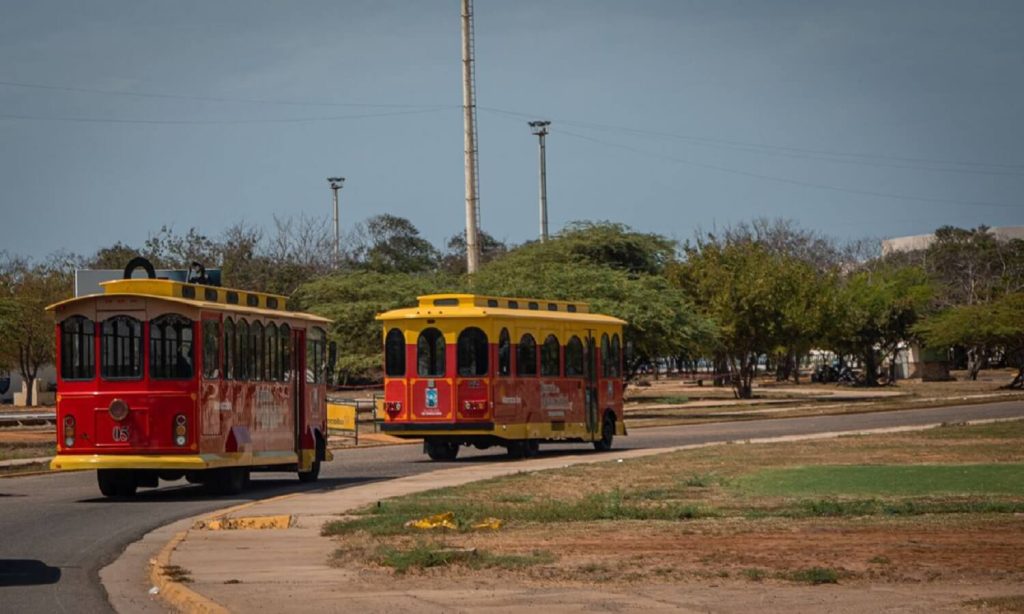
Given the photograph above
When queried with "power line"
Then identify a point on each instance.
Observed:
(204, 122)
(777, 148)
(302, 103)
(786, 180)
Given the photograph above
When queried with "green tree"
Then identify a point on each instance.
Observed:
(390, 244)
(352, 301)
(454, 258)
(983, 328)
(875, 311)
(26, 329)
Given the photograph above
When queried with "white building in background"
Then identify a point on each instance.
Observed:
(916, 242)
(13, 389)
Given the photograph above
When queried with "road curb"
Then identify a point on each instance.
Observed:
(176, 594)
(180, 597)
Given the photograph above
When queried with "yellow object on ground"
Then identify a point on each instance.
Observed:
(489, 523)
(341, 417)
(437, 521)
(251, 522)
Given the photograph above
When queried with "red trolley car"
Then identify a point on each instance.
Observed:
(463, 369)
(160, 379)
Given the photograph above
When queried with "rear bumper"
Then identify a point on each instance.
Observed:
(172, 462)
(449, 428)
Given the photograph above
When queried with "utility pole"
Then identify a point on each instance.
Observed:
(336, 184)
(540, 130)
(469, 139)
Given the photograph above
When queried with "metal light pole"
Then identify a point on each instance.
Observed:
(469, 139)
(540, 129)
(336, 184)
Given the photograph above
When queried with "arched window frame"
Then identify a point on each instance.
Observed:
(605, 361)
(121, 349)
(394, 353)
(258, 351)
(471, 353)
(212, 344)
(551, 357)
(243, 361)
(616, 356)
(526, 356)
(430, 353)
(171, 347)
(574, 365)
(316, 363)
(272, 353)
(230, 350)
(285, 333)
(504, 353)
(77, 349)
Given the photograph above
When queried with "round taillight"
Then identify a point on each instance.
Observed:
(118, 409)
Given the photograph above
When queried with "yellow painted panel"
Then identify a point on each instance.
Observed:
(341, 417)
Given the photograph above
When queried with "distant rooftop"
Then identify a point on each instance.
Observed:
(915, 242)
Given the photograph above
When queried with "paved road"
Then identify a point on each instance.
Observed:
(56, 532)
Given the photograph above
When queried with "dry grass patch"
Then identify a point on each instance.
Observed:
(704, 514)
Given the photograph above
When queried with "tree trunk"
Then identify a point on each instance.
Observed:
(975, 361)
(870, 367)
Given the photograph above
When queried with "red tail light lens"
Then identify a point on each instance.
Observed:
(393, 408)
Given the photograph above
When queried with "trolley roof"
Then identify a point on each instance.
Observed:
(478, 306)
(212, 298)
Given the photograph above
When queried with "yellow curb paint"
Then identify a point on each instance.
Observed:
(257, 523)
(176, 594)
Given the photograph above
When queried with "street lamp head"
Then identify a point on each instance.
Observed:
(336, 182)
(539, 126)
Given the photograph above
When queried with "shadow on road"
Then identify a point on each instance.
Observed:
(27, 572)
(258, 488)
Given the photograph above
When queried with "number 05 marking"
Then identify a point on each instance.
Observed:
(120, 433)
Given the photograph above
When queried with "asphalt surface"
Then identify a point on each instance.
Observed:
(57, 532)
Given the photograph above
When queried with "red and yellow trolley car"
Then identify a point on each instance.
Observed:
(464, 369)
(160, 379)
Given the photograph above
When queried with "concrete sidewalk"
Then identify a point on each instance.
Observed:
(289, 569)
(23, 462)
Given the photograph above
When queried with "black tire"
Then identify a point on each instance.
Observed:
(441, 450)
(607, 434)
(313, 474)
(532, 448)
(517, 449)
(116, 482)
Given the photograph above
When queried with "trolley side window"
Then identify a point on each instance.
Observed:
(574, 357)
(286, 353)
(121, 348)
(616, 356)
(77, 348)
(230, 349)
(430, 353)
(211, 349)
(394, 353)
(472, 353)
(170, 347)
(243, 359)
(504, 353)
(526, 357)
(316, 363)
(258, 351)
(550, 358)
(606, 363)
(273, 364)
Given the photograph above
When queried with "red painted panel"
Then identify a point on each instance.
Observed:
(395, 392)
(476, 392)
(432, 400)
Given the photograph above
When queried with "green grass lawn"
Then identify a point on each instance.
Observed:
(886, 480)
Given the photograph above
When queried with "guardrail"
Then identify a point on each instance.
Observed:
(37, 418)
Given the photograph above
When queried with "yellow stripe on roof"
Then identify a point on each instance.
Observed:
(476, 305)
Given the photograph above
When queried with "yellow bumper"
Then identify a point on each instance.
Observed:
(172, 462)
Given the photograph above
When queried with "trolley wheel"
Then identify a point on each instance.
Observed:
(517, 449)
(441, 450)
(314, 471)
(607, 434)
(116, 482)
(227, 480)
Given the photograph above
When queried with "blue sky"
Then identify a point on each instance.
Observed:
(856, 119)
